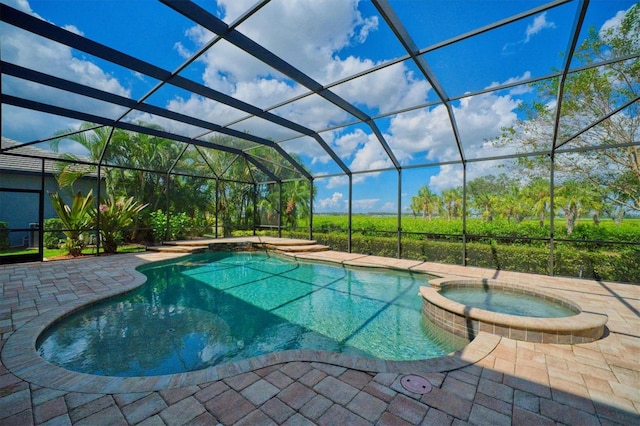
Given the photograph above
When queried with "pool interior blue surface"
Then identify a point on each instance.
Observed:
(220, 307)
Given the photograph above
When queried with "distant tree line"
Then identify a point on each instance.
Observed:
(595, 153)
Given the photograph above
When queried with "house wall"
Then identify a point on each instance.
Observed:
(19, 209)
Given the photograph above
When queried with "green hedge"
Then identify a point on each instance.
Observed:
(52, 234)
(628, 230)
(621, 264)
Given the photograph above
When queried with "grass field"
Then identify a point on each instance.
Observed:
(53, 253)
(585, 229)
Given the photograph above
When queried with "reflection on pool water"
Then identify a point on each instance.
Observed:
(507, 302)
(213, 308)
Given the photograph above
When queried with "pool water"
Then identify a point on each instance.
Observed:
(507, 302)
(219, 307)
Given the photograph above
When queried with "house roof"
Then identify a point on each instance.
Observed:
(28, 159)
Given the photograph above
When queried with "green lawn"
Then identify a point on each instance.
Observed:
(51, 253)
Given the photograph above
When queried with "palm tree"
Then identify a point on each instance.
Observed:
(573, 198)
(537, 194)
(513, 203)
(297, 194)
(452, 199)
(429, 202)
(416, 206)
(93, 139)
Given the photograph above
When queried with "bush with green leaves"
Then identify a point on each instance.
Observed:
(159, 226)
(5, 244)
(52, 233)
(179, 226)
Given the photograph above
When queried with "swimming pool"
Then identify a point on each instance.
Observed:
(220, 307)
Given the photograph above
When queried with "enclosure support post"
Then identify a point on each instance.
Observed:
(310, 209)
(98, 214)
(551, 213)
(464, 213)
(41, 213)
(350, 212)
(217, 209)
(255, 207)
(280, 209)
(167, 228)
(99, 192)
(399, 214)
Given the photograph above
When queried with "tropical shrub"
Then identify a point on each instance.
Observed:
(76, 219)
(112, 216)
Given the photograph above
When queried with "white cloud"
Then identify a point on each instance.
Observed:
(335, 201)
(182, 50)
(517, 90)
(22, 5)
(365, 204)
(347, 145)
(428, 132)
(370, 157)
(73, 29)
(309, 147)
(368, 25)
(50, 57)
(450, 176)
(613, 23)
(391, 88)
(337, 181)
(389, 207)
(322, 30)
(539, 23)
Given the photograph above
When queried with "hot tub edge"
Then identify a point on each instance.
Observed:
(467, 321)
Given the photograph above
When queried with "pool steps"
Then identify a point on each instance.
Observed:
(279, 245)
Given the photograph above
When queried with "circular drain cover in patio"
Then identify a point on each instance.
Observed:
(416, 384)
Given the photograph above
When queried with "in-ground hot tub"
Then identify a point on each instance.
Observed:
(571, 325)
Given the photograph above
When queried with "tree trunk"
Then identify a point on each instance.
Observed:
(571, 215)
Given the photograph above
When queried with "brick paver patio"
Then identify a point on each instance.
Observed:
(508, 382)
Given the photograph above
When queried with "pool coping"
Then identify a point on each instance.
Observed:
(20, 357)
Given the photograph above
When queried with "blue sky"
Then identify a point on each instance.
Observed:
(328, 40)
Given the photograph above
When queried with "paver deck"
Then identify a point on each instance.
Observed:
(493, 381)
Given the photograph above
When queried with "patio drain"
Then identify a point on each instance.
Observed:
(416, 384)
